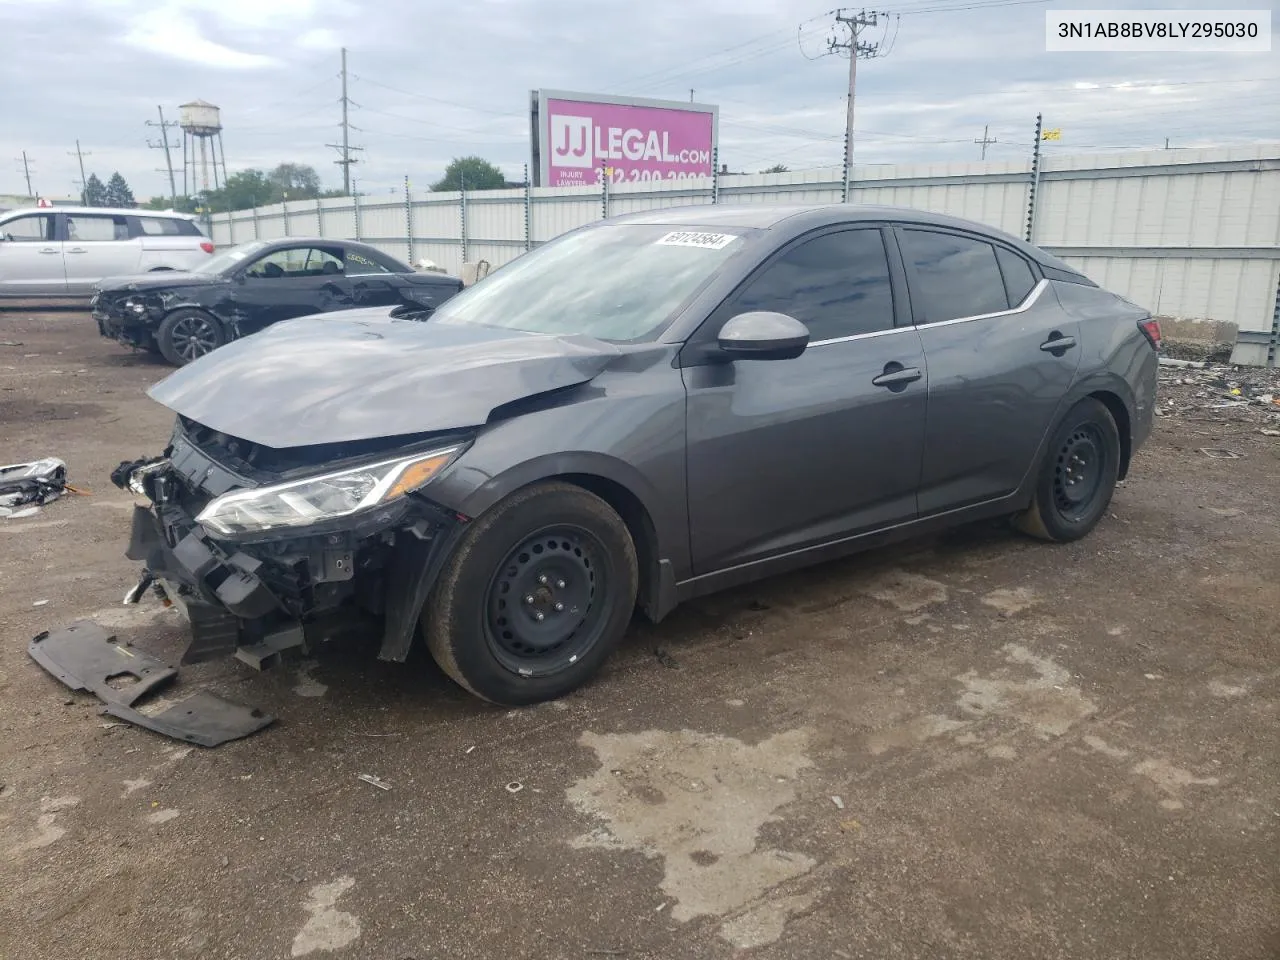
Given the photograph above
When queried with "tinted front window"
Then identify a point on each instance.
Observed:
(837, 285)
(93, 227)
(1018, 278)
(297, 262)
(955, 276)
(38, 226)
(617, 282)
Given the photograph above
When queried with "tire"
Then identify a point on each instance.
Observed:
(1077, 477)
(187, 334)
(491, 621)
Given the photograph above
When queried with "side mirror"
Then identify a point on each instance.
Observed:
(763, 335)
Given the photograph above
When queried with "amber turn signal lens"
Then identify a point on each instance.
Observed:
(416, 474)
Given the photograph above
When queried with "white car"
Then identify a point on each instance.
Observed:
(66, 251)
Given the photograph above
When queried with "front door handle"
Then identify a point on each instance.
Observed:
(897, 376)
(48, 250)
(1057, 344)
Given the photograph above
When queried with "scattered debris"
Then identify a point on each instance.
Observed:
(666, 659)
(38, 482)
(1269, 433)
(40, 603)
(370, 779)
(11, 343)
(85, 657)
(1172, 362)
(515, 786)
(838, 802)
(1191, 389)
(469, 749)
(1217, 453)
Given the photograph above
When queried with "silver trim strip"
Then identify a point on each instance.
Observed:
(1023, 307)
(1028, 302)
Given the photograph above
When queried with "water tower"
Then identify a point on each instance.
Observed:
(201, 124)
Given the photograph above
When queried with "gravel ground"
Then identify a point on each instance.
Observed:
(968, 746)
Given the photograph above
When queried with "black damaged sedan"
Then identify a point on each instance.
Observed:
(240, 291)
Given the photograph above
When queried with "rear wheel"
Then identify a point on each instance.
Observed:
(187, 334)
(537, 594)
(1078, 475)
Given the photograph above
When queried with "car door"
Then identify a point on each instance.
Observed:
(31, 257)
(996, 378)
(96, 246)
(291, 282)
(372, 283)
(785, 454)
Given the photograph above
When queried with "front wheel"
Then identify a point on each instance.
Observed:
(537, 594)
(187, 334)
(1078, 475)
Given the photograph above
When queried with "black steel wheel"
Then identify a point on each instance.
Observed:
(1078, 476)
(547, 600)
(188, 334)
(537, 593)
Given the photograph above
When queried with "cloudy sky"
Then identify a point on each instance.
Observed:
(432, 80)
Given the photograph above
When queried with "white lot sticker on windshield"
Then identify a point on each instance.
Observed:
(690, 238)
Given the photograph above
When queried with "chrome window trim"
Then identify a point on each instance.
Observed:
(860, 336)
(1027, 303)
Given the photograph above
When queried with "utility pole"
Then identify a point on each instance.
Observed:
(854, 23)
(26, 172)
(691, 94)
(345, 147)
(985, 140)
(164, 126)
(79, 155)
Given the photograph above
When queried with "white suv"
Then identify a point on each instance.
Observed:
(65, 251)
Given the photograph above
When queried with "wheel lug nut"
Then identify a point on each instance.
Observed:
(542, 579)
(528, 599)
(559, 584)
(559, 606)
(539, 616)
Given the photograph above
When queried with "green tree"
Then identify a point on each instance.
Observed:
(118, 193)
(777, 168)
(244, 189)
(470, 173)
(95, 194)
(180, 204)
(298, 180)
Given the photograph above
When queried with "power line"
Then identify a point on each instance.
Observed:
(854, 24)
(84, 183)
(164, 142)
(345, 147)
(26, 172)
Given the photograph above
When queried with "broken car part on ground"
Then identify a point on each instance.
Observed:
(568, 439)
(38, 482)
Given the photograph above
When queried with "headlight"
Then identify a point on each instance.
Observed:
(135, 306)
(314, 500)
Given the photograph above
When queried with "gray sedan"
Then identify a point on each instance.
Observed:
(642, 411)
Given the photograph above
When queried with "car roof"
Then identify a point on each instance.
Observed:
(798, 218)
(109, 211)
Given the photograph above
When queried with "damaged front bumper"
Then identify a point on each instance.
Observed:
(257, 597)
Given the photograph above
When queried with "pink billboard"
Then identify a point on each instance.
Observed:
(578, 139)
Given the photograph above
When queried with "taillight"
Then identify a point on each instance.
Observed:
(1151, 329)
(207, 247)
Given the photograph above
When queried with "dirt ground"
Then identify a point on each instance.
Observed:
(972, 746)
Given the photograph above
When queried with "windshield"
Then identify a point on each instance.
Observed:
(620, 282)
(228, 259)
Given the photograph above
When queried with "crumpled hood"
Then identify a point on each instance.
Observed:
(156, 280)
(358, 375)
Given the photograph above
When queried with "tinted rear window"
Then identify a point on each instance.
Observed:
(160, 226)
(1018, 278)
(955, 276)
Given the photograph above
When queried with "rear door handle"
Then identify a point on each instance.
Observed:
(48, 250)
(76, 250)
(1058, 344)
(896, 375)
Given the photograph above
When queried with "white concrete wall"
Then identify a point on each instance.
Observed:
(1188, 233)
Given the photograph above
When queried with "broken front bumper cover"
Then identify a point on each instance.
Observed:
(86, 658)
(254, 598)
